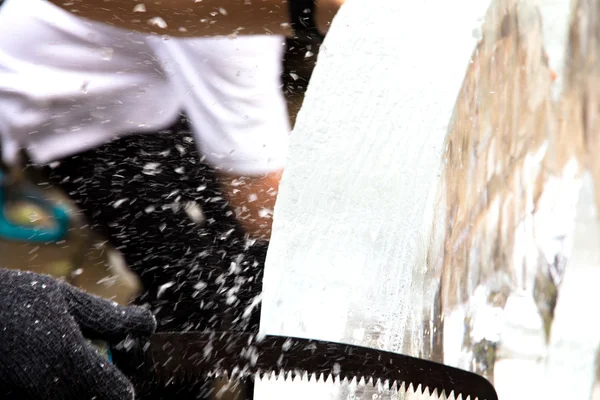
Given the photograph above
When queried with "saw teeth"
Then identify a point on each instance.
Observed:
(295, 376)
(383, 385)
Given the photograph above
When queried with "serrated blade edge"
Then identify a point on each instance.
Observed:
(189, 356)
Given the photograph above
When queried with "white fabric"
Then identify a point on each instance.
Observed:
(68, 84)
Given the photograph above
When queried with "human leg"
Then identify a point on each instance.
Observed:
(232, 92)
(151, 228)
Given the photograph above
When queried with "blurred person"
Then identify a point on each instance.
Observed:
(80, 93)
(68, 85)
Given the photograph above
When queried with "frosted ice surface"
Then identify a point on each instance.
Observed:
(354, 206)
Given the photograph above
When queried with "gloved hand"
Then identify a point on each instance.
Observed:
(44, 353)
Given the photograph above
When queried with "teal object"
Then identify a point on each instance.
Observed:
(103, 349)
(12, 231)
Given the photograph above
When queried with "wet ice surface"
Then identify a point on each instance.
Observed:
(566, 368)
(334, 256)
(347, 258)
(575, 338)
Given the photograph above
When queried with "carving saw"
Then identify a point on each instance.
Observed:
(171, 359)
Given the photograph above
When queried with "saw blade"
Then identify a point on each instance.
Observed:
(180, 358)
(268, 388)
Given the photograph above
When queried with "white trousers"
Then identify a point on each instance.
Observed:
(69, 84)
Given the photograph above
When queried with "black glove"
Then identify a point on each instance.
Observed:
(44, 353)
